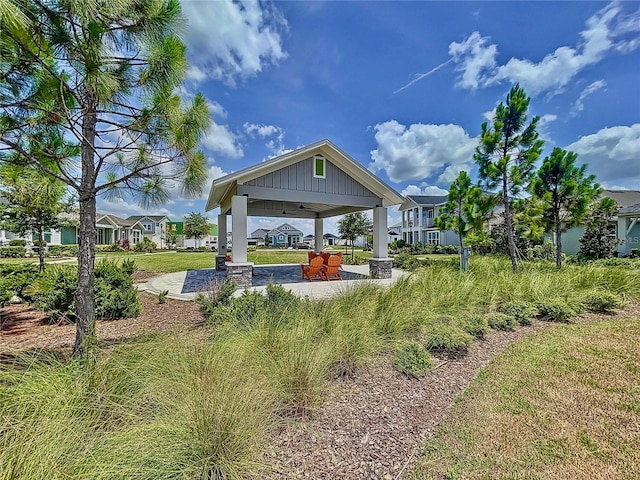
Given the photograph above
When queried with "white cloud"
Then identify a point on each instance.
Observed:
(424, 189)
(275, 146)
(220, 139)
(261, 130)
(231, 41)
(215, 172)
(420, 151)
(475, 57)
(591, 88)
(612, 154)
(543, 126)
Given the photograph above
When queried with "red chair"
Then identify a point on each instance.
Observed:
(312, 255)
(331, 270)
(313, 271)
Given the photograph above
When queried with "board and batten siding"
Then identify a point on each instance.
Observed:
(299, 177)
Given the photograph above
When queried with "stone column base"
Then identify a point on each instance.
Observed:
(380, 267)
(240, 273)
(221, 262)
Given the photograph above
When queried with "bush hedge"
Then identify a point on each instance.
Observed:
(13, 252)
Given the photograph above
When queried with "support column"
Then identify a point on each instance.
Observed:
(239, 228)
(318, 233)
(623, 244)
(221, 257)
(380, 265)
(239, 270)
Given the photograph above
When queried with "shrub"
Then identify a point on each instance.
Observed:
(476, 325)
(450, 249)
(146, 245)
(128, 266)
(216, 293)
(17, 242)
(634, 253)
(413, 360)
(555, 310)
(162, 296)
(501, 321)
(446, 339)
(14, 280)
(13, 252)
(545, 251)
(521, 310)
(53, 292)
(598, 301)
(406, 261)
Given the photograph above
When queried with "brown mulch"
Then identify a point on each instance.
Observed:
(23, 328)
(369, 426)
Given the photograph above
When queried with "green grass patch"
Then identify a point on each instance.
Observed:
(559, 404)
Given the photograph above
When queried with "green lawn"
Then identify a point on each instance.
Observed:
(563, 404)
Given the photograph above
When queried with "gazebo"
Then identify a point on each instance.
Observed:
(317, 181)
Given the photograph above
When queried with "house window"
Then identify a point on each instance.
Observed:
(319, 167)
(136, 236)
(148, 226)
(433, 238)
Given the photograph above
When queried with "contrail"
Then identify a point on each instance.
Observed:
(422, 75)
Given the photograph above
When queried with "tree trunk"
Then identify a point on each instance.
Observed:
(84, 296)
(511, 242)
(40, 247)
(558, 246)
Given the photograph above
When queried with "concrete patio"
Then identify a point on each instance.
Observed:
(187, 284)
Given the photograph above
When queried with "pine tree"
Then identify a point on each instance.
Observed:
(507, 154)
(566, 193)
(103, 76)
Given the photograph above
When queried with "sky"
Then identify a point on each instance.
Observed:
(403, 87)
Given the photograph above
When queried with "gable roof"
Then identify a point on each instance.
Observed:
(155, 218)
(223, 188)
(282, 229)
(423, 200)
(630, 210)
(115, 220)
(624, 198)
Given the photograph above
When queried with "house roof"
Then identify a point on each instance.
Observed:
(423, 200)
(115, 220)
(282, 229)
(155, 218)
(630, 210)
(222, 189)
(624, 198)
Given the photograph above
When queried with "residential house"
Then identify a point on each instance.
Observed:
(418, 215)
(623, 225)
(629, 229)
(284, 236)
(111, 229)
(394, 232)
(328, 240)
(259, 236)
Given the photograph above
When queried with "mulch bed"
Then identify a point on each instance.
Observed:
(371, 425)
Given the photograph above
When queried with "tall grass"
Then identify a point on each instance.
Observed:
(197, 406)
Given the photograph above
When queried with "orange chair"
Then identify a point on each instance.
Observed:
(312, 255)
(313, 271)
(331, 270)
(325, 257)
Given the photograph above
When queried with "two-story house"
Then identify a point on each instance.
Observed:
(418, 214)
(284, 236)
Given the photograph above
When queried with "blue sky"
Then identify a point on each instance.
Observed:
(403, 87)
